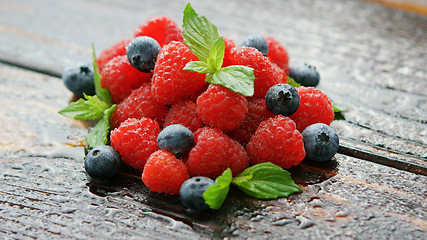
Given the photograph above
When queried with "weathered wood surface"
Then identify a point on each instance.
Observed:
(372, 60)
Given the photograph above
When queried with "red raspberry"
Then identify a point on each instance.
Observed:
(314, 107)
(278, 53)
(117, 49)
(135, 140)
(222, 108)
(170, 81)
(278, 141)
(229, 44)
(140, 103)
(164, 173)
(214, 152)
(121, 78)
(266, 73)
(184, 112)
(257, 112)
(162, 28)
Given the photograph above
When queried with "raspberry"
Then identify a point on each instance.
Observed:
(222, 108)
(229, 44)
(214, 152)
(266, 73)
(164, 173)
(121, 78)
(184, 112)
(135, 140)
(315, 107)
(140, 103)
(170, 81)
(117, 49)
(278, 53)
(257, 112)
(162, 28)
(278, 141)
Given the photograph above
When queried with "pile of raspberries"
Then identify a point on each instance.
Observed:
(230, 130)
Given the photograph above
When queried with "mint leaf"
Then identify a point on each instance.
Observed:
(292, 82)
(216, 194)
(216, 54)
(266, 181)
(89, 109)
(102, 93)
(338, 113)
(237, 78)
(99, 133)
(199, 34)
(198, 66)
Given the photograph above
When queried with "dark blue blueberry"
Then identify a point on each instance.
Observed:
(102, 162)
(191, 193)
(321, 142)
(282, 99)
(175, 139)
(79, 79)
(142, 53)
(258, 42)
(304, 74)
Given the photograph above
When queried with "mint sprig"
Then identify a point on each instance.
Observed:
(87, 108)
(93, 107)
(202, 37)
(216, 194)
(199, 33)
(263, 181)
(266, 181)
(99, 134)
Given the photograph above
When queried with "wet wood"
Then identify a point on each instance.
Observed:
(371, 60)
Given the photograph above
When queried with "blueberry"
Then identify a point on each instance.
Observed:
(191, 193)
(142, 53)
(282, 99)
(304, 74)
(79, 79)
(321, 142)
(102, 162)
(175, 139)
(258, 42)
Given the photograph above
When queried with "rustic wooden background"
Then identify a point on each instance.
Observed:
(372, 61)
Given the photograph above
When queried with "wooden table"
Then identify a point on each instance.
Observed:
(372, 61)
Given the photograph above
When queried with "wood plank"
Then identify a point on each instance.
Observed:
(371, 68)
(371, 60)
(45, 192)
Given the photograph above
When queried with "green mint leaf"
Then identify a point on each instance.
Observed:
(89, 109)
(237, 78)
(199, 34)
(102, 93)
(216, 54)
(292, 82)
(198, 66)
(338, 113)
(216, 194)
(98, 135)
(266, 181)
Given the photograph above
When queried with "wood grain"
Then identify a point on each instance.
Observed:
(371, 61)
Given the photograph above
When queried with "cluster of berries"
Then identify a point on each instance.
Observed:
(175, 127)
